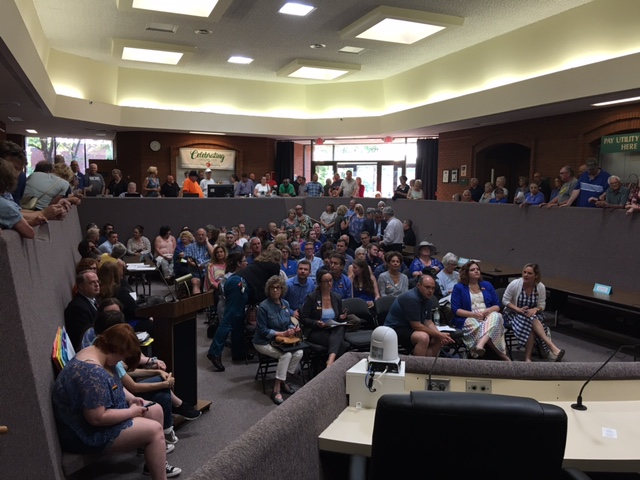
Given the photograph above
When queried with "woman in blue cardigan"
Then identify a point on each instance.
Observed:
(476, 310)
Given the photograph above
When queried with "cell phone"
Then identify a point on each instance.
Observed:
(150, 404)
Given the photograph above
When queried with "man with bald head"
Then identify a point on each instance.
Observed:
(170, 188)
(410, 317)
(95, 185)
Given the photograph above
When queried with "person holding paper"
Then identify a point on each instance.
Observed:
(410, 317)
(320, 308)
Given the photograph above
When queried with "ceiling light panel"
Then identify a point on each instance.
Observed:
(240, 60)
(316, 70)
(195, 8)
(298, 9)
(150, 52)
(151, 56)
(399, 25)
(352, 50)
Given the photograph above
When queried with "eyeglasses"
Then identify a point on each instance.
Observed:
(326, 281)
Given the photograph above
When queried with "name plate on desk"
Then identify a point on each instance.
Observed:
(599, 288)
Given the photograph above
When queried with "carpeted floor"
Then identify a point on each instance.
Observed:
(238, 402)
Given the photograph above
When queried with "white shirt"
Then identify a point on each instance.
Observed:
(203, 185)
(394, 233)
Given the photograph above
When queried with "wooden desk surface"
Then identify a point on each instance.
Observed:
(604, 438)
(619, 298)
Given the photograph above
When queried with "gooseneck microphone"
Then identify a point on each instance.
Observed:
(579, 405)
(429, 384)
(497, 270)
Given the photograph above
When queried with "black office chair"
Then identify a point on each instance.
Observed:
(383, 304)
(359, 341)
(407, 437)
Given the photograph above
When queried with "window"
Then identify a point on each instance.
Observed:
(81, 150)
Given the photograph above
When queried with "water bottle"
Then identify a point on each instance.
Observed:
(436, 316)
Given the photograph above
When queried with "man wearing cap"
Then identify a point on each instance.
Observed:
(191, 184)
(591, 183)
(393, 234)
(206, 181)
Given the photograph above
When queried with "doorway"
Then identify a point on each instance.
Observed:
(510, 160)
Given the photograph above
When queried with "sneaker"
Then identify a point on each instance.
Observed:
(186, 411)
(171, 438)
(171, 471)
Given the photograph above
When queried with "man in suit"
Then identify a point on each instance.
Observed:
(82, 309)
(375, 226)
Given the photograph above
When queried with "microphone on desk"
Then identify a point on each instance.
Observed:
(429, 384)
(496, 269)
(579, 405)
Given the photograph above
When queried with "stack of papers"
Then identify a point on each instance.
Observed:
(139, 267)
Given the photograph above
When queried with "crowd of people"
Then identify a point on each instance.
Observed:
(592, 187)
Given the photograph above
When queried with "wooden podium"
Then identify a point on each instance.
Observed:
(175, 342)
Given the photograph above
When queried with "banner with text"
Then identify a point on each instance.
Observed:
(625, 142)
(213, 158)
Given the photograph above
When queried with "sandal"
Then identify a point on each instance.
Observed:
(286, 388)
(276, 397)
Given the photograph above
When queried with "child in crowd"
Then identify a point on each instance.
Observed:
(499, 198)
(10, 216)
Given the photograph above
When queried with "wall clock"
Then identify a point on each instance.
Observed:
(155, 145)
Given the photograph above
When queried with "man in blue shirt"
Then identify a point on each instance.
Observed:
(592, 183)
(299, 287)
(410, 317)
(198, 255)
(341, 283)
(313, 188)
(244, 187)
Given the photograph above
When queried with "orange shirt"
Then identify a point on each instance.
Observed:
(190, 186)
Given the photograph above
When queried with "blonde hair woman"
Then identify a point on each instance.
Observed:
(151, 184)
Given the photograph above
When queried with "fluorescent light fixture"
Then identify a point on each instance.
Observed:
(613, 102)
(207, 133)
(241, 60)
(352, 50)
(151, 56)
(316, 70)
(150, 52)
(399, 25)
(195, 8)
(298, 9)
(31, 130)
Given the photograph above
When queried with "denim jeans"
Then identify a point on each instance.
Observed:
(236, 292)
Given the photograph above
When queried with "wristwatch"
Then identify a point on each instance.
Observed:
(151, 362)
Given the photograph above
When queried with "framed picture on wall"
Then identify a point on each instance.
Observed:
(454, 175)
(463, 170)
(445, 176)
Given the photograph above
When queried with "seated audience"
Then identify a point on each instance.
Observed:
(425, 260)
(410, 317)
(522, 190)
(81, 310)
(132, 191)
(499, 196)
(315, 262)
(299, 286)
(374, 256)
(525, 299)
(138, 244)
(95, 414)
(488, 193)
(216, 268)
(476, 311)
(107, 245)
(86, 264)
(198, 254)
(118, 251)
(341, 283)
(104, 233)
(393, 282)
(501, 182)
(164, 246)
(288, 265)
(448, 276)
(533, 197)
(467, 197)
(615, 196)
(274, 320)
(320, 307)
(456, 197)
(363, 283)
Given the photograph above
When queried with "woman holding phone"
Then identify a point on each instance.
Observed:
(322, 307)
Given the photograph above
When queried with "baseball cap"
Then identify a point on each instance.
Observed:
(193, 173)
(208, 170)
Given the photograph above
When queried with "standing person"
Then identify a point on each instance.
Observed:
(117, 185)
(501, 182)
(164, 246)
(206, 181)
(301, 188)
(615, 196)
(359, 192)
(394, 232)
(328, 220)
(521, 191)
(95, 414)
(151, 184)
(94, 182)
(525, 299)
(192, 184)
(326, 190)
(569, 183)
(416, 192)
(592, 183)
(476, 310)
(274, 320)
(170, 188)
(488, 193)
(402, 190)
(79, 180)
(320, 307)
(335, 186)
(314, 187)
(557, 184)
(244, 188)
(475, 189)
(356, 223)
(348, 185)
(543, 186)
(409, 238)
(244, 287)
